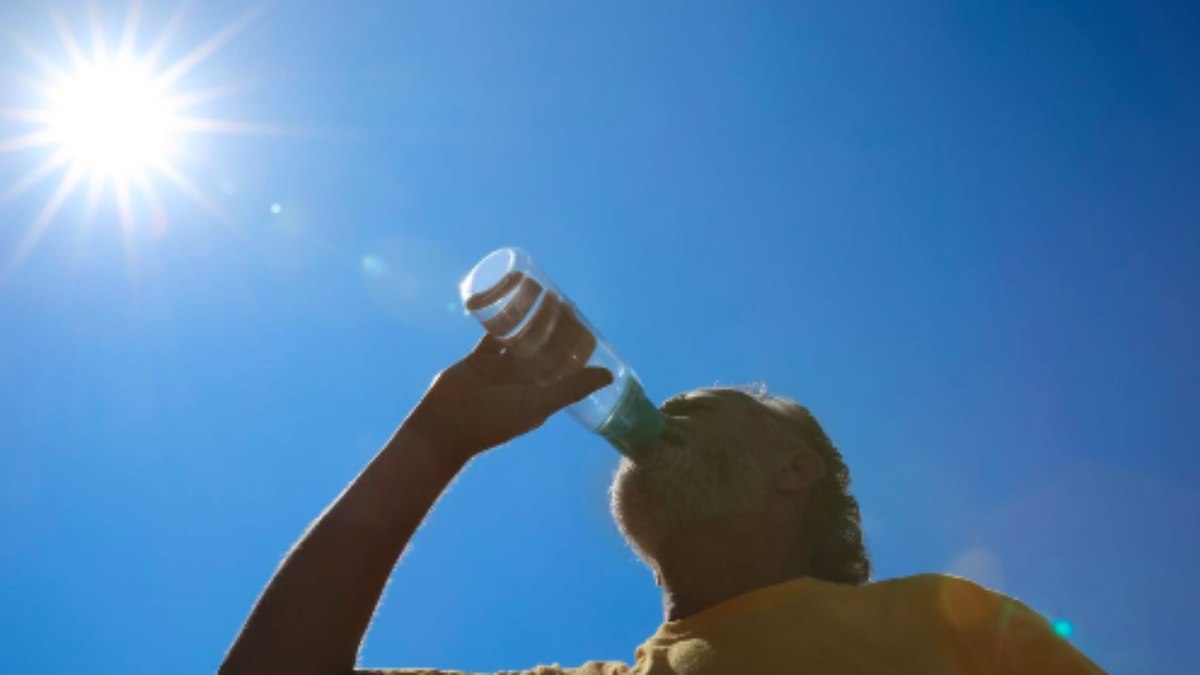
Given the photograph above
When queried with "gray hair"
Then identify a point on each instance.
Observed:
(833, 522)
(735, 483)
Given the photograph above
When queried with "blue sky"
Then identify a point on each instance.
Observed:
(967, 237)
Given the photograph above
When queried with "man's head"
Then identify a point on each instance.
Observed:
(739, 454)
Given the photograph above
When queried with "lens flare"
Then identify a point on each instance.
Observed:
(114, 118)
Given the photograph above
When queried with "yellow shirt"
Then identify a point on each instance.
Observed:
(928, 624)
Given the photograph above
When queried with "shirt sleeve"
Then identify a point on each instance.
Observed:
(999, 635)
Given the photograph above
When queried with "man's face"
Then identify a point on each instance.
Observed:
(706, 465)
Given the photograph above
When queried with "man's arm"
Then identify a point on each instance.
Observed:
(314, 612)
(313, 615)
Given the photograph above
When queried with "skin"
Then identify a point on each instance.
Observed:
(312, 616)
(314, 613)
(719, 556)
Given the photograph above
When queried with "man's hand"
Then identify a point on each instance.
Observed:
(492, 396)
(314, 612)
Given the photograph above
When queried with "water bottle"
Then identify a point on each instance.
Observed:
(518, 304)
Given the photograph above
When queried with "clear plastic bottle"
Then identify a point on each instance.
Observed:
(516, 302)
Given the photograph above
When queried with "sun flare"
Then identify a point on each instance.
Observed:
(111, 118)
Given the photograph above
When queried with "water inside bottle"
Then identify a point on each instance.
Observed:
(634, 423)
(527, 314)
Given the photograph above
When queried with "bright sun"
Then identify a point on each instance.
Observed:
(111, 119)
(111, 115)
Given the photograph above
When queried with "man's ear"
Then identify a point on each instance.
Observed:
(802, 470)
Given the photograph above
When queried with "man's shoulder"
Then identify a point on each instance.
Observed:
(937, 585)
(957, 599)
(931, 581)
(963, 603)
(1002, 630)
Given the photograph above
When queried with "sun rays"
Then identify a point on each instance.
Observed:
(111, 121)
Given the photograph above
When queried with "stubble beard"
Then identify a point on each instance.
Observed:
(678, 486)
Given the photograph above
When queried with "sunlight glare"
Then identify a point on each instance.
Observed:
(111, 118)
(113, 114)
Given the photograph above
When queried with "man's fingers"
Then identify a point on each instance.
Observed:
(490, 358)
(487, 346)
(571, 388)
(576, 386)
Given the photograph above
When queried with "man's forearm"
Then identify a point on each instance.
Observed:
(312, 616)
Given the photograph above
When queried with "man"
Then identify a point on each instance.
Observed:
(741, 510)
